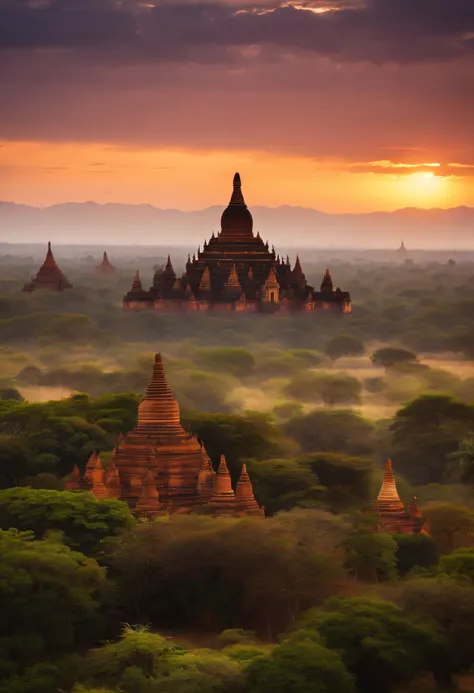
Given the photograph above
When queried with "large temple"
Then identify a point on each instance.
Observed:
(49, 276)
(236, 270)
(393, 516)
(160, 468)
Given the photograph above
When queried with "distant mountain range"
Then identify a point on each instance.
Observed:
(290, 227)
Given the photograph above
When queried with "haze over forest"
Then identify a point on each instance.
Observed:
(287, 226)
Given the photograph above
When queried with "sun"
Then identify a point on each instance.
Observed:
(422, 189)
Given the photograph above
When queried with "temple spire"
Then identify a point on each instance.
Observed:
(73, 480)
(49, 260)
(137, 283)
(388, 499)
(205, 283)
(244, 495)
(414, 508)
(223, 484)
(237, 197)
(158, 407)
(90, 466)
(233, 280)
(327, 285)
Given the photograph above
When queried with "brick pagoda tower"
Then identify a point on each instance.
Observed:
(49, 276)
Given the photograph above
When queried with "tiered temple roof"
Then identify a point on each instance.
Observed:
(393, 516)
(105, 268)
(160, 468)
(49, 276)
(236, 270)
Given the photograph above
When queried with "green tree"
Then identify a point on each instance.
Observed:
(450, 605)
(343, 345)
(50, 600)
(464, 456)
(233, 360)
(459, 562)
(451, 525)
(414, 550)
(302, 667)
(332, 389)
(340, 431)
(347, 480)
(83, 520)
(371, 555)
(239, 438)
(212, 577)
(378, 643)
(389, 356)
(425, 433)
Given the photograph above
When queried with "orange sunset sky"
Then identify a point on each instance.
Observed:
(340, 105)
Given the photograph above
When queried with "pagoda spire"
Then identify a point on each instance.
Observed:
(49, 259)
(233, 279)
(237, 197)
(73, 480)
(244, 495)
(414, 508)
(105, 267)
(158, 407)
(298, 274)
(327, 285)
(205, 283)
(90, 466)
(388, 500)
(137, 283)
(223, 483)
(205, 478)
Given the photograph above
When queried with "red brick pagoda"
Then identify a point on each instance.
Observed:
(105, 268)
(235, 270)
(160, 468)
(49, 276)
(394, 519)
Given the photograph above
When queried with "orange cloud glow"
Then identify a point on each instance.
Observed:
(42, 173)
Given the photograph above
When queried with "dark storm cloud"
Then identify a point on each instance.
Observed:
(378, 31)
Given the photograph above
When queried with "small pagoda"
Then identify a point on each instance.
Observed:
(49, 276)
(159, 468)
(106, 269)
(236, 271)
(394, 518)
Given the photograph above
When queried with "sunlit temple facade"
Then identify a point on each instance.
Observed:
(393, 516)
(49, 276)
(159, 468)
(236, 271)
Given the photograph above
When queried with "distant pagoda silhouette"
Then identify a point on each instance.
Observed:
(159, 468)
(49, 276)
(235, 270)
(402, 249)
(105, 268)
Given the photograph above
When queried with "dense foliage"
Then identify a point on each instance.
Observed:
(313, 599)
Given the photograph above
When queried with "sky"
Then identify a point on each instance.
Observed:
(339, 105)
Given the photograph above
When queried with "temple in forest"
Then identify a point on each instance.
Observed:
(105, 268)
(49, 276)
(236, 270)
(394, 518)
(159, 468)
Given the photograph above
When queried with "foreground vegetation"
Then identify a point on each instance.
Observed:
(312, 599)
